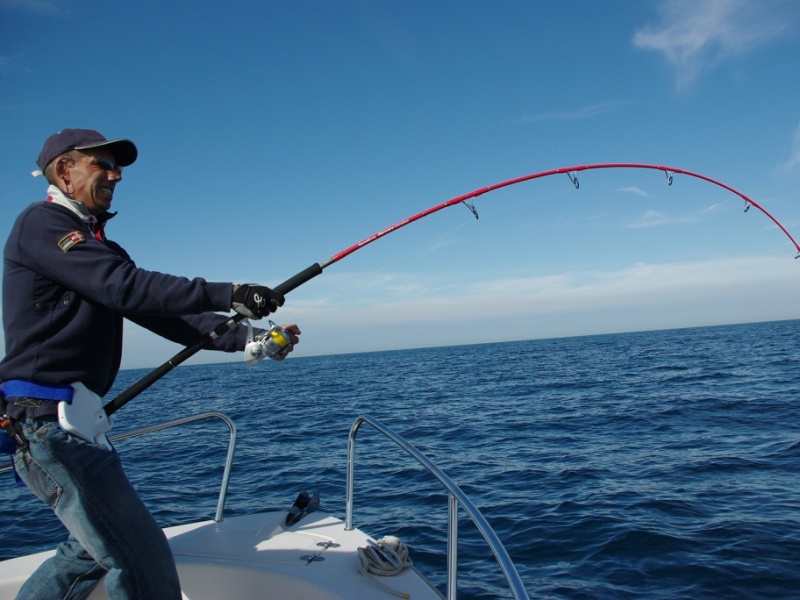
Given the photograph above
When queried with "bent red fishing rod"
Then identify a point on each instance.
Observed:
(317, 268)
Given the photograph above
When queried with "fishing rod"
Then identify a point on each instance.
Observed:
(317, 268)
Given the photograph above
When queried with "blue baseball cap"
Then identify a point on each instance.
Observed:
(124, 151)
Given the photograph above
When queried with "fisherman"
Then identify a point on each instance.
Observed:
(66, 289)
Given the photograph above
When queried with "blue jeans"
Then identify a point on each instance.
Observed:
(111, 531)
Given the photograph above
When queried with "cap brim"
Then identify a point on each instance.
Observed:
(124, 151)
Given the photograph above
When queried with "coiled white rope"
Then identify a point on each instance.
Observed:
(389, 558)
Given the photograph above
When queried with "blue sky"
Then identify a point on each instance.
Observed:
(274, 134)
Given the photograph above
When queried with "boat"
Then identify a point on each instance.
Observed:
(301, 553)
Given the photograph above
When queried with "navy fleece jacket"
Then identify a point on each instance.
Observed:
(65, 294)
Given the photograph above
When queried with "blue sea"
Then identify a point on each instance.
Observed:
(660, 464)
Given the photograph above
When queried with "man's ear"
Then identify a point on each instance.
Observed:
(62, 167)
(61, 171)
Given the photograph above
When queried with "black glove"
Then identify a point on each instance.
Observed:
(255, 301)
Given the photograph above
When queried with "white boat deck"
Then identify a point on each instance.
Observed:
(254, 556)
(257, 556)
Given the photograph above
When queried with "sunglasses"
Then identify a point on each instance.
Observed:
(105, 163)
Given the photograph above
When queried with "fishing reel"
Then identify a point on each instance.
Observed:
(271, 343)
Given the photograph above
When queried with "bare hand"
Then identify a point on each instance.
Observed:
(293, 331)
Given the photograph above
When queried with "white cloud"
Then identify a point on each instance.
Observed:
(50, 8)
(655, 218)
(15, 63)
(585, 112)
(641, 297)
(644, 296)
(696, 35)
(793, 161)
(636, 191)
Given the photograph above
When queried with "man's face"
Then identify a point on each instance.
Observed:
(92, 178)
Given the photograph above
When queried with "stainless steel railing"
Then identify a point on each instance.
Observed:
(456, 497)
(226, 474)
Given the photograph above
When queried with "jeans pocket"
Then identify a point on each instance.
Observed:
(37, 479)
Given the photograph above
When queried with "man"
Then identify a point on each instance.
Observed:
(66, 289)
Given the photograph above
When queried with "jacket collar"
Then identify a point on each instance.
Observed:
(57, 196)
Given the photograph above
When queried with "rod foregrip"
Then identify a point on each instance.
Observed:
(299, 279)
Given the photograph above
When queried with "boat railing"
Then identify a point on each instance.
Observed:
(456, 497)
(226, 473)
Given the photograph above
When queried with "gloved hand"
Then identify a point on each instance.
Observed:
(255, 301)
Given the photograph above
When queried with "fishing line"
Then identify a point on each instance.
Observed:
(432, 245)
(425, 247)
(468, 200)
(721, 212)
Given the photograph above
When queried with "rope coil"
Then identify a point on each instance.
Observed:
(386, 558)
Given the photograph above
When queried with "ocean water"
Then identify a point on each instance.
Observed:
(648, 465)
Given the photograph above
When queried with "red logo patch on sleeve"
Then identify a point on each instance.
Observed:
(70, 240)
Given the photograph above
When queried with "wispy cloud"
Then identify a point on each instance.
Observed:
(636, 191)
(696, 35)
(17, 62)
(50, 8)
(793, 162)
(641, 296)
(585, 112)
(655, 218)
